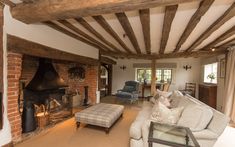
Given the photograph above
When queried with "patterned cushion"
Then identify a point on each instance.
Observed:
(101, 114)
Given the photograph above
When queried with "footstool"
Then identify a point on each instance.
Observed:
(103, 115)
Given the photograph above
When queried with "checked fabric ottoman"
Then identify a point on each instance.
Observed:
(103, 115)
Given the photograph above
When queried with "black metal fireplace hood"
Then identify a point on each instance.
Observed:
(46, 78)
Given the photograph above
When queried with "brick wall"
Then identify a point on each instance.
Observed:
(91, 80)
(30, 65)
(13, 76)
(23, 69)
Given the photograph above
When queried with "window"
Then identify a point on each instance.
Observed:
(210, 73)
(162, 75)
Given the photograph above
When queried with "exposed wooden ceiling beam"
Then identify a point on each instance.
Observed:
(97, 34)
(195, 19)
(122, 18)
(168, 55)
(145, 21)
(107, 60)
(8, 2)
(62, 30)
(217, 24)
(64, 9)
(19, 45)
(103, 23)
(168, 19)
(28, 1)
(83, 34)
(226, 44)
(221, 38)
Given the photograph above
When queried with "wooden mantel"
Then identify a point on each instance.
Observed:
(19, 45)
(45, 10)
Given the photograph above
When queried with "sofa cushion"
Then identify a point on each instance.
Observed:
(205, 134)
(164, 93)
(175, 98)
(162, 114)
(196, 117)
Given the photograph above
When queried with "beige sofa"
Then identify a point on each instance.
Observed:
(206, 138)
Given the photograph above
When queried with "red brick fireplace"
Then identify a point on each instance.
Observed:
(22, 68)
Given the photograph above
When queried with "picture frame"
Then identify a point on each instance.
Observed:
(222, 68)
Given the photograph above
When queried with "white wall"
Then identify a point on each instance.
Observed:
(180, 77)
(47, 36)
(220, 81)
(41, 34)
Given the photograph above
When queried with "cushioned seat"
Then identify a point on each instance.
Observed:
(129, 92)
(103, 115)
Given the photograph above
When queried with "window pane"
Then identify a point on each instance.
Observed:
(148, 75)
(140, 75)
(159, 75)
(210, 73)
(167, 75)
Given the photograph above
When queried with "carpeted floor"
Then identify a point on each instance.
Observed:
(66, 135)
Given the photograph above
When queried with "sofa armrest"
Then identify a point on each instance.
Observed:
(145, 132)
(205, 134)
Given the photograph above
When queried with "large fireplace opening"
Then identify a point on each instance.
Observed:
(43, 92)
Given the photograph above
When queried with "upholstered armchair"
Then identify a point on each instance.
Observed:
(129, 92)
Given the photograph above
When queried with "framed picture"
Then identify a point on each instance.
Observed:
(222, 68)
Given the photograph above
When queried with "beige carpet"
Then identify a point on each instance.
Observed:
(66, 135)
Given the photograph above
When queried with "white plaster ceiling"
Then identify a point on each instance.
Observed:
(183, 15)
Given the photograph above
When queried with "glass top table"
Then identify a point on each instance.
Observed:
(170, 135)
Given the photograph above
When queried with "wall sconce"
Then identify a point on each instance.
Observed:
(186, 67)
(123, 67)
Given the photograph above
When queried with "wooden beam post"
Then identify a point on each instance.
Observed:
(216, 25)
(86, 25)
(45, 10)
(195, 19)
(153, 77)
(105, 25)
(126, 25)
(145, 22)
(19, 45)
(168, 19)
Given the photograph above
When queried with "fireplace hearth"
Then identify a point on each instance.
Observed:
(46, 89)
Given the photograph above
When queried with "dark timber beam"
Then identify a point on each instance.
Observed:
(195, 19)
(168, 55)
(226, 44)
(217, 24)
(62, 30)
(19, 45)
(221, 38)
(83, 34)
(63, 9)
(97, 34)
(8, 2)
(107, 60)
(104, 24)
(122, 18)
(170, 12)
(145, 21)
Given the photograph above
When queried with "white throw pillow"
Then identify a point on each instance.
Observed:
(161, 99)
(196, 117)
(164, 93)
(175, 98)
(162, 114)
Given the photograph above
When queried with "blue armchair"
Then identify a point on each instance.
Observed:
(129, 92)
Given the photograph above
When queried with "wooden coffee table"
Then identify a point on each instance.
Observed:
(171, 135)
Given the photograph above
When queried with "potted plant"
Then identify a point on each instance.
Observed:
(211, 77)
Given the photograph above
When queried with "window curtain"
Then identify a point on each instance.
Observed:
(229, 97)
